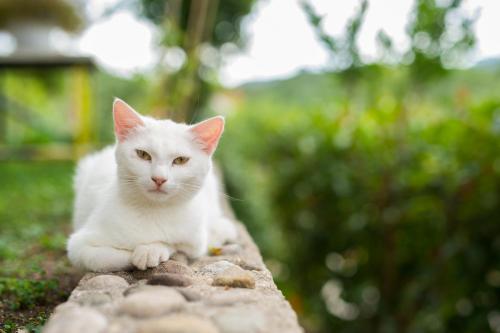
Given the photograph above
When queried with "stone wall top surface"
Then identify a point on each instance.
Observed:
(228, 291)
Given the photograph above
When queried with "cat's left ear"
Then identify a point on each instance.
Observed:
(208, 133)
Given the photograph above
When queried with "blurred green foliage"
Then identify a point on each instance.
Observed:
(23, 293)
(35, 209)
(40, 108)
(375, 203)
(344, 50)
(378, 213)
(441, 35)
(224, 18)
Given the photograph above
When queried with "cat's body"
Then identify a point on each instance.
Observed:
(135, 205)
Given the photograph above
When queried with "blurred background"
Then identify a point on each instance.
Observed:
(362, 147)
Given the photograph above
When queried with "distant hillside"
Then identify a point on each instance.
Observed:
(303, 88)
(489, 63)
(481, 81)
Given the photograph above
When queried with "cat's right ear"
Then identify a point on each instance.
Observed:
(125, 118)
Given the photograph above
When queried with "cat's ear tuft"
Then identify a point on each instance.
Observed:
(208, 133)
(125, 119)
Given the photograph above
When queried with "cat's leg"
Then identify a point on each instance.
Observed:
(196, 246)
(97, 258)
(221, 230)
(150, 255)
(192, 250)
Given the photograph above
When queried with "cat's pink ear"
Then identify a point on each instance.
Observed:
(126, 119)
(208, 133)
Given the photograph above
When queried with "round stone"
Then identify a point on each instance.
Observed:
(76, 320)
(234, 277)
(217, 267)
(175, 267)
(63, 307)
(122, 325)
(169, 266)
(151, 302)
(190, 295)
(178, 323)
(90, 297)
(104, 282)
(240, 320)
(232, 296)
(170, 279)
(249, 265)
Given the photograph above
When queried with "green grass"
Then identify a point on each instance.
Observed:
(35, 213)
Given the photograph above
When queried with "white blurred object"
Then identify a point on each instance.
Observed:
(32, 37)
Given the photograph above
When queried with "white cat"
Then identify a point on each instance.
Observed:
(151, 194)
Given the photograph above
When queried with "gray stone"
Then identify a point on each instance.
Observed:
(170, 266)
(170, 279)
(217, 267)
(232, 296)
(122, 325)
(241, 320)
(178, 323)
(90, 297)
(176, 267)
(105, 282)
(205, 263)
(234, 277)
(142, 286)
(68, 306)
(151, 302)
(76, 320)
(190, 294)
(248, 265)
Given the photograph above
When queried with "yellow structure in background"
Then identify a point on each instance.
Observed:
(83, 112)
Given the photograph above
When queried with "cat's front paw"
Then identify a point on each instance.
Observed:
(150, 255)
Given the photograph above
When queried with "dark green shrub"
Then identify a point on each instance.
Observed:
(383, 218)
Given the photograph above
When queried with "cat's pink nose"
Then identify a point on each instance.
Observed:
(159, 181)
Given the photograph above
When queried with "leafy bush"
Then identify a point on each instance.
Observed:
(35, 276)
(25, 294)
(374, 217)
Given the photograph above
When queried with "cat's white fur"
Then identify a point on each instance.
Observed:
(123, 219)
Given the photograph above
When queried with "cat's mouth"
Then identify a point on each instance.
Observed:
(158, 190)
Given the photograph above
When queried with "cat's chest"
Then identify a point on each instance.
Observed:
(167, 225)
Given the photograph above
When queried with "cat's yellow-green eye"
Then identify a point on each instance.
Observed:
(143, 155)
(180, 160)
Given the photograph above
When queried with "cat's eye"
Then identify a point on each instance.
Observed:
(143, 155)
(180, 160)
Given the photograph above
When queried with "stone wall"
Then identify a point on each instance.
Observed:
(228, 291)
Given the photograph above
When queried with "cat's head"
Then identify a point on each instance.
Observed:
(161, 160)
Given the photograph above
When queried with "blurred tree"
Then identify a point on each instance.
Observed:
(192, 34)
(441, 36)
(344, 50)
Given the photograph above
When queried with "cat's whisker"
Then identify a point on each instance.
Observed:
(194, 186)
